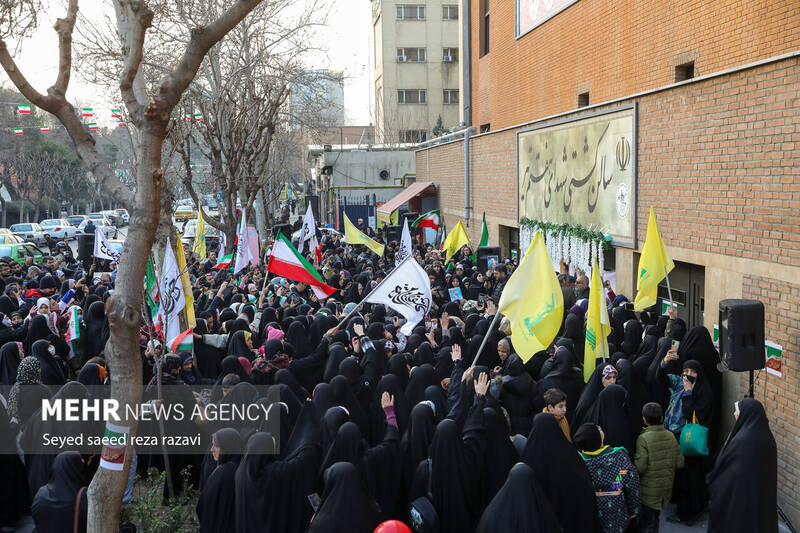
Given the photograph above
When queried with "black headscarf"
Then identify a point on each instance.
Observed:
(611, 414)
(499, 455)
(330, 424)
(346, 506)
(632, 337)
(697, 345)
(208, 357)
(216, 506)
(38, 330)
(94, 318)
(51, 371)
(701, 401)
(54, 503)
(397, 367)
(297, 336)
(743, 484)
(237, 345)
(563, 475)
(90, 375)
(520, 506)
(389, 383)
(9, 362)
(588, 399)
(565, 376)
(421, 378)
(417, 440)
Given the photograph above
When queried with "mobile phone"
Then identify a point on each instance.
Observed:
(675, 345)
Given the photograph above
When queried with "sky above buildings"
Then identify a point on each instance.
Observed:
(346, 37)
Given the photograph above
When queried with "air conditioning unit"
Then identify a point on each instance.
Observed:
(401, 59)
(447, 59)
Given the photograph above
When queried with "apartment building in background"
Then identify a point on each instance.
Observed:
(416, 75)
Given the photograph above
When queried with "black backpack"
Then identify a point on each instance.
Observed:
(423, 517)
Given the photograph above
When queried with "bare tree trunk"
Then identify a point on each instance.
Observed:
(5, 213)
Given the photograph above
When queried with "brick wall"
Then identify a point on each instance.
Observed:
(719, 159)
(613, 49)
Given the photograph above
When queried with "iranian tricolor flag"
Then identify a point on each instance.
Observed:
(286, 262)
(44, 130)
(24, 109)
(18, 131)
(151, 291)
(428, 220)
(122, 125)
(87, 112)
(183, 342)
(73, 330)
(116, 113)
(92, 125)
(198, 117)
(224, 262)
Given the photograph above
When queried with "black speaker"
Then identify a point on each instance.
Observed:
(741, 334)
(285, 229)
(410, 216)
(394, 233)
(486, 255)
(85, 248)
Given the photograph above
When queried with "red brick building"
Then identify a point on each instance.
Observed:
(714, 92)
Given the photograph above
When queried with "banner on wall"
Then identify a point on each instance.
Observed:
(582, 172)
(532, 13)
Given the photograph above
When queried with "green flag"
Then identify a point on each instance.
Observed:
(484, 239)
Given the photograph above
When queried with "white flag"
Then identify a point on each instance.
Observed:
(407, 290)
(242, 245)
(102, 248)
(308, 233)
(172, 299)
(405, 245)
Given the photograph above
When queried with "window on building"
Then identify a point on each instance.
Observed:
(412, 96)
(685, 71)
(413, 136)
(484, 33)
(450, 12)
(410, 12)
(450, 96)
(583, 99)
(412, 55)
(449, 55)
(484, 128)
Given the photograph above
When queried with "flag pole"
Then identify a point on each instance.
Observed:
(486, 337)
(361, 303)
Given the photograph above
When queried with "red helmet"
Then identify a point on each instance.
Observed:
(392, 526)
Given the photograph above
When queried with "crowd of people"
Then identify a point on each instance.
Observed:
(376, 425)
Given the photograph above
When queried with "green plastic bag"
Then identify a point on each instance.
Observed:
(694, 439)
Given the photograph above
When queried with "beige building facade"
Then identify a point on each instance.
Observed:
(417, 75)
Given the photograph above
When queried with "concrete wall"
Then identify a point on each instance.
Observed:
(719, 159)
(433, 33)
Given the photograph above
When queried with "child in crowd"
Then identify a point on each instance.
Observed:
(657, 458)
(616, 482)
(555, 403)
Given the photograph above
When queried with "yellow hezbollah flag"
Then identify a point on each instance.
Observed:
(654, 264)
(455, 240)
(597, 324)
(199, 246)
(187, 287)
(533, 302)
(353, 236)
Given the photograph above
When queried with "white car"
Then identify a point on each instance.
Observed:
(29, 232)
(109, 230)
(59, 228)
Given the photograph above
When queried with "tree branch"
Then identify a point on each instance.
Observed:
(64, 28)
(142, 19)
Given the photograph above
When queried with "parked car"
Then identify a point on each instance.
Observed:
(10, 238)
(19, 251)
(113, 217)
(109, 230)
(185, 212)
(59, 228)
(76, 220)
(190, 231)
(126, 218)
(29, 232)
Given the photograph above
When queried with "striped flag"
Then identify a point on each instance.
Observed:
(44, 130)
(188, 116)
(92, 125)
(122, 125)
(285, 261)
(73, 330)
(24, 109)
(18, 131)
(224, 262)
(198, 117)
(183, 342)
(116, 113)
